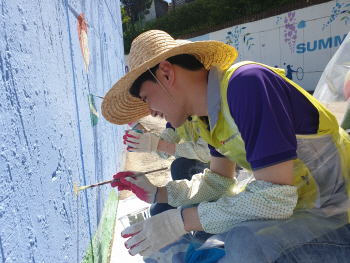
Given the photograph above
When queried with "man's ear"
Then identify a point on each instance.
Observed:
(166, 71)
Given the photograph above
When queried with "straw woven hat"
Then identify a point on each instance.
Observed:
(148, 50)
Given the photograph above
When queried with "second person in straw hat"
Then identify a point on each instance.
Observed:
(192, 154)
(249, 114)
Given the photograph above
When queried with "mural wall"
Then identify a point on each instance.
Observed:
(302, 41)
(57, 60)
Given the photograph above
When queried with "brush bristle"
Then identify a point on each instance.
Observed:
(75, 189)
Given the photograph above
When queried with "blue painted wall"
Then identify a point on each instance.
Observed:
(46, 138)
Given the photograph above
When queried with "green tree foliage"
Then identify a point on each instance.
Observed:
(128, 34)
(134, 7)
(125, 19)
(202, 14)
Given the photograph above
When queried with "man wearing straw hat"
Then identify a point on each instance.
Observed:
(252, 115)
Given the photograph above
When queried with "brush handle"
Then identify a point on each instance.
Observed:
(97, 96)
(117, 180)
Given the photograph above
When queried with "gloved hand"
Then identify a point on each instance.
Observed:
(148, 236)
(139, 185)
(141, 142)
(133, 124)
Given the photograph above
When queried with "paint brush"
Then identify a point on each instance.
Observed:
(97, 96)
(77, 189)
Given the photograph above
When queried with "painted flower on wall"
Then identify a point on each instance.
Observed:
(233, 39)
(83, 40)
(278, 19)
(337, 10)
(290, 32)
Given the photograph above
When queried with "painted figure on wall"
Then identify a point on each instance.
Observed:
(289, 74)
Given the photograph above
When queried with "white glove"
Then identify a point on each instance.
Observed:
(141, 142)
(149, 236)
(133, 124)
(139, 185)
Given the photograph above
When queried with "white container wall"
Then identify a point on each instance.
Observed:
(302, 41)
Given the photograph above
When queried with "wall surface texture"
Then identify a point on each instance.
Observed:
(302, 41)
(53, 54)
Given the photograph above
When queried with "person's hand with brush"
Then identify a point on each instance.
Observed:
(138, 183)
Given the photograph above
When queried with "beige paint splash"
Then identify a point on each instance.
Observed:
(83, 40)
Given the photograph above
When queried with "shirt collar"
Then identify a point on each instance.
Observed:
(214, 95)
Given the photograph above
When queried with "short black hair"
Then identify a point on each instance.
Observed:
(185, 61)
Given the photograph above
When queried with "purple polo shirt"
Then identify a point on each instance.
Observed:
(268, 112)
(168, 126)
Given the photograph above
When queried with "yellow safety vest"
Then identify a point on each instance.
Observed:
(322, 169)
(184, 131)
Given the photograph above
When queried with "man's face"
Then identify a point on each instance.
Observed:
(161, 104)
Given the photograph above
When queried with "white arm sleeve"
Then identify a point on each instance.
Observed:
(260, 200)
(206, 186)
(168, 135)
(189, 150)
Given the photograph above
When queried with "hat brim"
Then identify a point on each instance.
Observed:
(120, 107)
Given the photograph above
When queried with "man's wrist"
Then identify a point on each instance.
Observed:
(162, 195)
(191, 219)
(161, 146)
(166, 147)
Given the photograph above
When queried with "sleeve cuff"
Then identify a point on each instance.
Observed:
(274, 159)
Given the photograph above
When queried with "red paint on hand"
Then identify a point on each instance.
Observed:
(138, 191)
(121, 186)
(128, 235)
(126, 137)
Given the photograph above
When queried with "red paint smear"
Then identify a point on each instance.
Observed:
(129, 235)
(82, 25)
